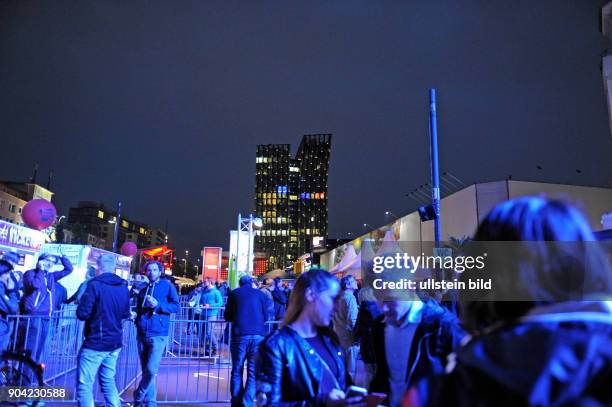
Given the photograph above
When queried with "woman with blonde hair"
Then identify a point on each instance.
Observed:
(302, 363)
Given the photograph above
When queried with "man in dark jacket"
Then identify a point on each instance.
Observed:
(280, 300)
(105, 303)
(246, 309)
(155, 302)
(412, 340)
(267, 287)
(9, 302)
(38, 300)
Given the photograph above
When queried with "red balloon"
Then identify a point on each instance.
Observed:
(39, 214)
(129, 249)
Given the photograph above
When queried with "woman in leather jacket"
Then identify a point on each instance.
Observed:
(302, 364)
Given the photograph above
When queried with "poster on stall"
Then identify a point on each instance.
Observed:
(212, 263)
(82, 256)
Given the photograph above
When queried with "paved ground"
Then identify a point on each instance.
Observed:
(199, 382)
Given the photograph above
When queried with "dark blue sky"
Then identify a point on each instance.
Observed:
(161, 103)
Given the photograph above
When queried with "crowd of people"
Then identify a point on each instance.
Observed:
(547, 349)
(550, 348)
(33, 295)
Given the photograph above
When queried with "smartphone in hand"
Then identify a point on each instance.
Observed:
(356, 391)
(371, 399)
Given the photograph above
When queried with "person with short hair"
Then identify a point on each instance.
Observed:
(210, 304)
(267, 287)
(345, 319)
(194, 309)
(280, 299)
(155, 302)
(412, 339)
(246, 310)
(103, 306)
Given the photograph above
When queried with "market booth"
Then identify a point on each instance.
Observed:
(82, 256)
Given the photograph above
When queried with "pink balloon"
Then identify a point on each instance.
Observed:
(129, 249)
(39, 214)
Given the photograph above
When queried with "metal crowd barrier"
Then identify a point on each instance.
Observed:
(195, 368)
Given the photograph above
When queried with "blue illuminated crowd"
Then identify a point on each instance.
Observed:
(551, 348)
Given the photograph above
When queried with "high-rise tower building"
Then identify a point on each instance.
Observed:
(291, 198)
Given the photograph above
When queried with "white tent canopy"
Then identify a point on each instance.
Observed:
(349, 256)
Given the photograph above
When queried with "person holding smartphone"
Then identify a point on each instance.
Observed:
(302, 362)
(155, 302)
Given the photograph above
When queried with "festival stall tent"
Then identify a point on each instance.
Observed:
(82, 256)
(348, 257)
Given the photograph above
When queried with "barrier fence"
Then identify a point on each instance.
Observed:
(195, 367)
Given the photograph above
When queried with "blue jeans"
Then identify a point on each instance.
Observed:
(208, 337)
(243, 348)
(150, 351)
(91, 363)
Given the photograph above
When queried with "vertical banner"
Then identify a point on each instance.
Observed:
(232, 275)
(241, 254)
(212, 263)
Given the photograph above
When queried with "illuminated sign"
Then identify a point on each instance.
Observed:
(20, 237)
(212, 262)
(318, 244)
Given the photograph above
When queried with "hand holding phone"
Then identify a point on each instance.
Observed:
(355, 391)
(369, 399)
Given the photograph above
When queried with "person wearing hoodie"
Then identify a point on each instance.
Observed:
(548, 342)
(9, 302)
(103, 306)
(210, 305)
(39, 301)
(155, 302)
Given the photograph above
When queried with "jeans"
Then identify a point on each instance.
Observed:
(150, 351)
(102, 363)
(351, 361)
(208, 333)
(243, 348)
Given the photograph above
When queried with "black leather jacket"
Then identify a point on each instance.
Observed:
(289, 371)
(437, 336)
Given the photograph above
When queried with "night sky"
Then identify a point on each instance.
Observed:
(161, 103)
